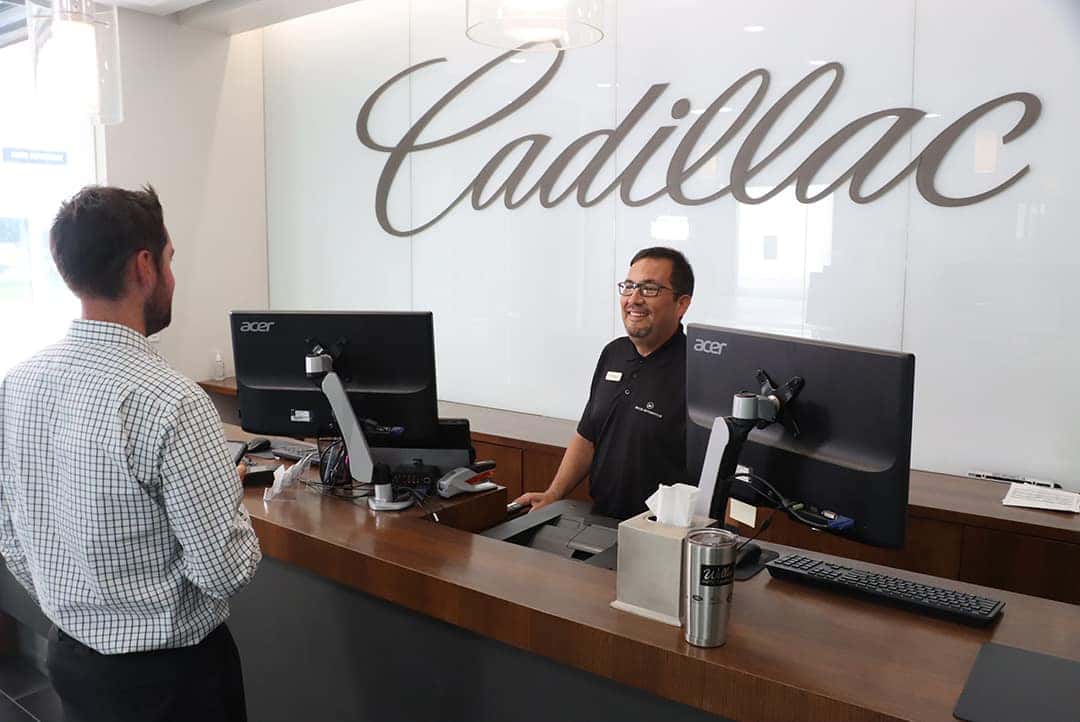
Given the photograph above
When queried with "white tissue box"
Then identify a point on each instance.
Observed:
(648, 582)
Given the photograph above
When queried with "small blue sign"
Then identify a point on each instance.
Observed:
(38, 157)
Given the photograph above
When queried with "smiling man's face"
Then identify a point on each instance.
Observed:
(651, 321)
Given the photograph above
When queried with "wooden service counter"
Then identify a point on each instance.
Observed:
(957, 527)
(359, 614)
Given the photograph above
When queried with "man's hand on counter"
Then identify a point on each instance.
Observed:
(572, 471)
(535, 499)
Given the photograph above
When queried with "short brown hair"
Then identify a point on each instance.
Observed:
(98, 230)
(682, 275)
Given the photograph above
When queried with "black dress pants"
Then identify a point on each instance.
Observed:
(200, 683)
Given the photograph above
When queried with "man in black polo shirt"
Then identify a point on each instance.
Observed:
(632, 434)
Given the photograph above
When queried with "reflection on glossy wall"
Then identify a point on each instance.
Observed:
(524, 299)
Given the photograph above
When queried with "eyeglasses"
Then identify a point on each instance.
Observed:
(648, 290)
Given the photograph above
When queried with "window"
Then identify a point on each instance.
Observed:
(43, 160)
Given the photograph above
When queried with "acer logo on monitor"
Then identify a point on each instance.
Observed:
(713, 347)
(256, 326)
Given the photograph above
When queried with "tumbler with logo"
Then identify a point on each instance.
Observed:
(707, 580)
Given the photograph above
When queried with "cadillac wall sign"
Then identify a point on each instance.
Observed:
(749, 161)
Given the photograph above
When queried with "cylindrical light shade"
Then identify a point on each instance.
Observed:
(535, 24)
(76, 54)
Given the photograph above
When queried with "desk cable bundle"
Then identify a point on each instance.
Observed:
(334, 478)
(816, 519)
(729, 435)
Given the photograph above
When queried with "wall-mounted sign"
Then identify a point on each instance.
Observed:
(38, 157)
(680, 168)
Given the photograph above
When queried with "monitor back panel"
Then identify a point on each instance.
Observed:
(854, 414)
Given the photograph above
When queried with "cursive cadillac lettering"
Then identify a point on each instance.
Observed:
(750, 160)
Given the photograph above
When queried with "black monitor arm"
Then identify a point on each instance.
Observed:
(751, 411)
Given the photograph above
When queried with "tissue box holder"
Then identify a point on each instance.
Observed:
(648, 581)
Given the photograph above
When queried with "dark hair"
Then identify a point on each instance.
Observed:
(682, 276)
(98, 230)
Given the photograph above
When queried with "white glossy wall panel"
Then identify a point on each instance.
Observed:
(524, 298)
(325, 250)
(510, 289)
(993, 289)
(792, 293)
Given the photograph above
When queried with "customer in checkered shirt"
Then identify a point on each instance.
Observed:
(120, 508)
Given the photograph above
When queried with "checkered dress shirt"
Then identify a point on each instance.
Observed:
(120, 508)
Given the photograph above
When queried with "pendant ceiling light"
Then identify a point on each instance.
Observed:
(535, 24)
(76, 57)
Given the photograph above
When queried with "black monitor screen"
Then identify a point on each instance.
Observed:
(386, 362)
(854, 416)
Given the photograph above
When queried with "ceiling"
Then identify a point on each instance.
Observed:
(222, 16)
(13, 27)
(154, 7)
(159, 7)
(12, 23)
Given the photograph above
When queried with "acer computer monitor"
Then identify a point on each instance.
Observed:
(386, 362)
(853, 416)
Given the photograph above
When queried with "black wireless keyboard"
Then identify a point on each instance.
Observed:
(922, 598)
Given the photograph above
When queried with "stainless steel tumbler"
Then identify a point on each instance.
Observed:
(707, 580)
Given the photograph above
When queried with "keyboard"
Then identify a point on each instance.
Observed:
(292, 451)
(922, 598)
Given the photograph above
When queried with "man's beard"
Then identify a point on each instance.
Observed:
(640, 330)
(157, 312)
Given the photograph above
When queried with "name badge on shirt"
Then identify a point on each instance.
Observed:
(613, 376)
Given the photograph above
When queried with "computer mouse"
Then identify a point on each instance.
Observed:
(747, 555)
(258, 444)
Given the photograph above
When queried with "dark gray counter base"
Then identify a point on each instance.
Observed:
(317, 651)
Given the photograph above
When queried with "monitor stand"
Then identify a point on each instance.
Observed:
(361, 467)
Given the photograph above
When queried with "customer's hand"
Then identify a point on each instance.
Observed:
(535, 499)
(241, 469)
